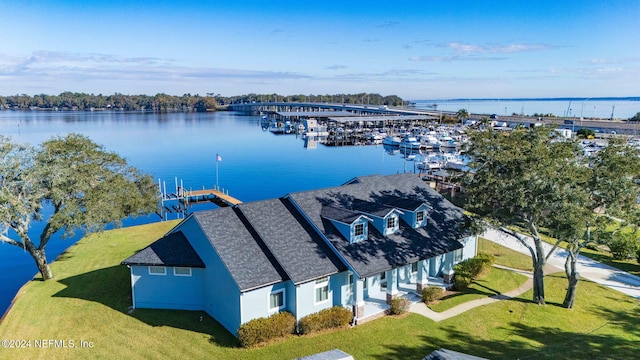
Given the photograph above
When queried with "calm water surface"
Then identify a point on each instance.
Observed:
(255, 165)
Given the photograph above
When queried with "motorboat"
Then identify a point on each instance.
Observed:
(410, 143)
(392, 141)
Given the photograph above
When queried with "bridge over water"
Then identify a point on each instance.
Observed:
(360, 109)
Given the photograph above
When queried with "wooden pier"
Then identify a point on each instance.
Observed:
(180, 201)
(216, 196)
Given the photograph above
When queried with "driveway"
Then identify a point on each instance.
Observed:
(588, 269)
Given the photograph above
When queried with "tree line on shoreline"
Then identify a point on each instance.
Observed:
(168, 103)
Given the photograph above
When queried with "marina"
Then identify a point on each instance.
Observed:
(265, 156)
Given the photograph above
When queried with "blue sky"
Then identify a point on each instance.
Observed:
(413, 49)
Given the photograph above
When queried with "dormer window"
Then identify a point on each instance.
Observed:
(351, 224)
(412, 211)
(391, 223)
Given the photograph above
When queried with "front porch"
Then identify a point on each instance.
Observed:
(376, 304)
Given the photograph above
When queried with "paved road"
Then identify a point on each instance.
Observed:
(588, 269)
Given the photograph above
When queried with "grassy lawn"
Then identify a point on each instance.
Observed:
(89, 299)
(497, 281)
(630, 266)
(605, 257)
(505, 256)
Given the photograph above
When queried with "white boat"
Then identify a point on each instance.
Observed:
(456, 162)
(410, 143)
(449, 144)
(431, 162)
(391, 141)
(430, 141)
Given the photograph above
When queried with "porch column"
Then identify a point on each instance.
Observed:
(358, 298)
(423, 275)
(447, 270)
(392, 284)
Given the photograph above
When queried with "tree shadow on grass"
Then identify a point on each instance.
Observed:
(111, 287)
(523, 342)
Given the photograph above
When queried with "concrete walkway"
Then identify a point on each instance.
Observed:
(589, 269)
(422, 309)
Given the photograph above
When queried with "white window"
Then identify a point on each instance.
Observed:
(157, 270)
(420, 216)
(457, 255)
(182, 271)
(358, 230)
(391, 222)
(322, 289)
(276, 300)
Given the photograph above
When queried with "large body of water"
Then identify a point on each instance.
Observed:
(601, 108)
(256, 164)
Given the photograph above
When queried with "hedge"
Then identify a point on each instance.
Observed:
(472, 269)
(432, 293)
(331, 318)
(262, 330)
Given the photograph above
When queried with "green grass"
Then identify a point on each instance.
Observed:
(631, 266)
(90, 296)
(497, 281)
(505, 256)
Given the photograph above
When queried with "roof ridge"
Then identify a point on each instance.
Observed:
(261, 243)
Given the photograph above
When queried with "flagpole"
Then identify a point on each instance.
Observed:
(217, 187)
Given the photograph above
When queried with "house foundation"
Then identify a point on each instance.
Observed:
(448, 277)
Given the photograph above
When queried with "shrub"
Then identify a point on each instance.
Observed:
(623, 246)
(331, 318)
(261, 330)
(474, 268)
(462, 282)
(432, 293)
(398, 306)
(638, 254)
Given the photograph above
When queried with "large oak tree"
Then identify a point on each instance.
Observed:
(86, 186)
(603, 194)
(516, 184)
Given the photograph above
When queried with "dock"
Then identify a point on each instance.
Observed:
(180, 201)
(216, 196)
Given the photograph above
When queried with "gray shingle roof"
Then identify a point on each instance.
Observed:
(265, 242)
(171, 250)
(341, 215)
(379, 253)
(300, 251)
(249, 262)
(368, 207)
(404, 204)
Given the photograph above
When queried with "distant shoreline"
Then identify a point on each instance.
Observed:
(627, 98)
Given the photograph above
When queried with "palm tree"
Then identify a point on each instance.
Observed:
(462, 114)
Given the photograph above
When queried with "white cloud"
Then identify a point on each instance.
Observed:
(336, 67)
(47, 65)
(455, 58)
(388, 24)
(470, 49)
